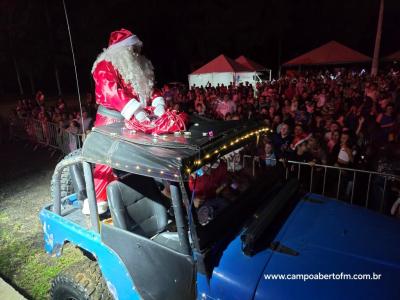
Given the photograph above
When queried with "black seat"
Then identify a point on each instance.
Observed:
(137, 205)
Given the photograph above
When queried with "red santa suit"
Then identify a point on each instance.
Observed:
(123, 87)
(124, 80)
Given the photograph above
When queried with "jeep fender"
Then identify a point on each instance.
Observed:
(58, 231)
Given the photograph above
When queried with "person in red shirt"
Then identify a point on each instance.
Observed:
(209, 186)
(208, 182)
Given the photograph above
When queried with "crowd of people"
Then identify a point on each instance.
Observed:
(53, 123)
(342, 118)
(67, 118)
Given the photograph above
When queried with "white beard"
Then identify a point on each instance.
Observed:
(135, 69)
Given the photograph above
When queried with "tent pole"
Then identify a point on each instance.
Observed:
(375, 60)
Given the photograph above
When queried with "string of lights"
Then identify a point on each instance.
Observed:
(209, 156)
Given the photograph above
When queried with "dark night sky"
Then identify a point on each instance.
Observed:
(179, 36)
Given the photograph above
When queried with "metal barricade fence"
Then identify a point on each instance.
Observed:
(372, 190)
(47, 134)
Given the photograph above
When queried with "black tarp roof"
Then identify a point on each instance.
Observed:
(166, 156)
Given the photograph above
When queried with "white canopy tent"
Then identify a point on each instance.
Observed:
(222, 70)
(262, 72)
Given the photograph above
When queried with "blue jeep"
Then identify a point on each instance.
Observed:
(258, 238)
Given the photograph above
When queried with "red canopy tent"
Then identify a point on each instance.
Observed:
(393, 56)
(248, 63)
(332, 53)
(222, 64)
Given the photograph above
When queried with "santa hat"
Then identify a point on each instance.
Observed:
(123, 38)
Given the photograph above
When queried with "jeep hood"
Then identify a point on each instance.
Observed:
(330, 236)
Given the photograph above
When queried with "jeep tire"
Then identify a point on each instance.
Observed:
(81, 281)
(66, 186)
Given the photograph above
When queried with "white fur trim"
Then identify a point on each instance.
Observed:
(101, 207)
(159, 110)
(141, 116)
(85, 207)
(130, 108)
(129, 41)
(158, 101)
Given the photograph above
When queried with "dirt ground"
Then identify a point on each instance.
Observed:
(24, 189)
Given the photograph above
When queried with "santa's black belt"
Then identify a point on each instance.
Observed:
(113, 114)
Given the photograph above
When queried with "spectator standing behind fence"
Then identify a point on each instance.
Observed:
(61, 105)
(333, 146)
(345, 155)
(44, 128)
(386, 122)
(90, 105)
(86, 122)
(39, 98)
(282, 141)
(73, 131)
(269, 158)
(226, 106)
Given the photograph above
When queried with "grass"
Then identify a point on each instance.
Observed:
(3, 217)
(24, 262)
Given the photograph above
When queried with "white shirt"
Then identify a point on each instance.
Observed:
(343, 155)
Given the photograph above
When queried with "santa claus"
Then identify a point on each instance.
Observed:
(124, 86)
